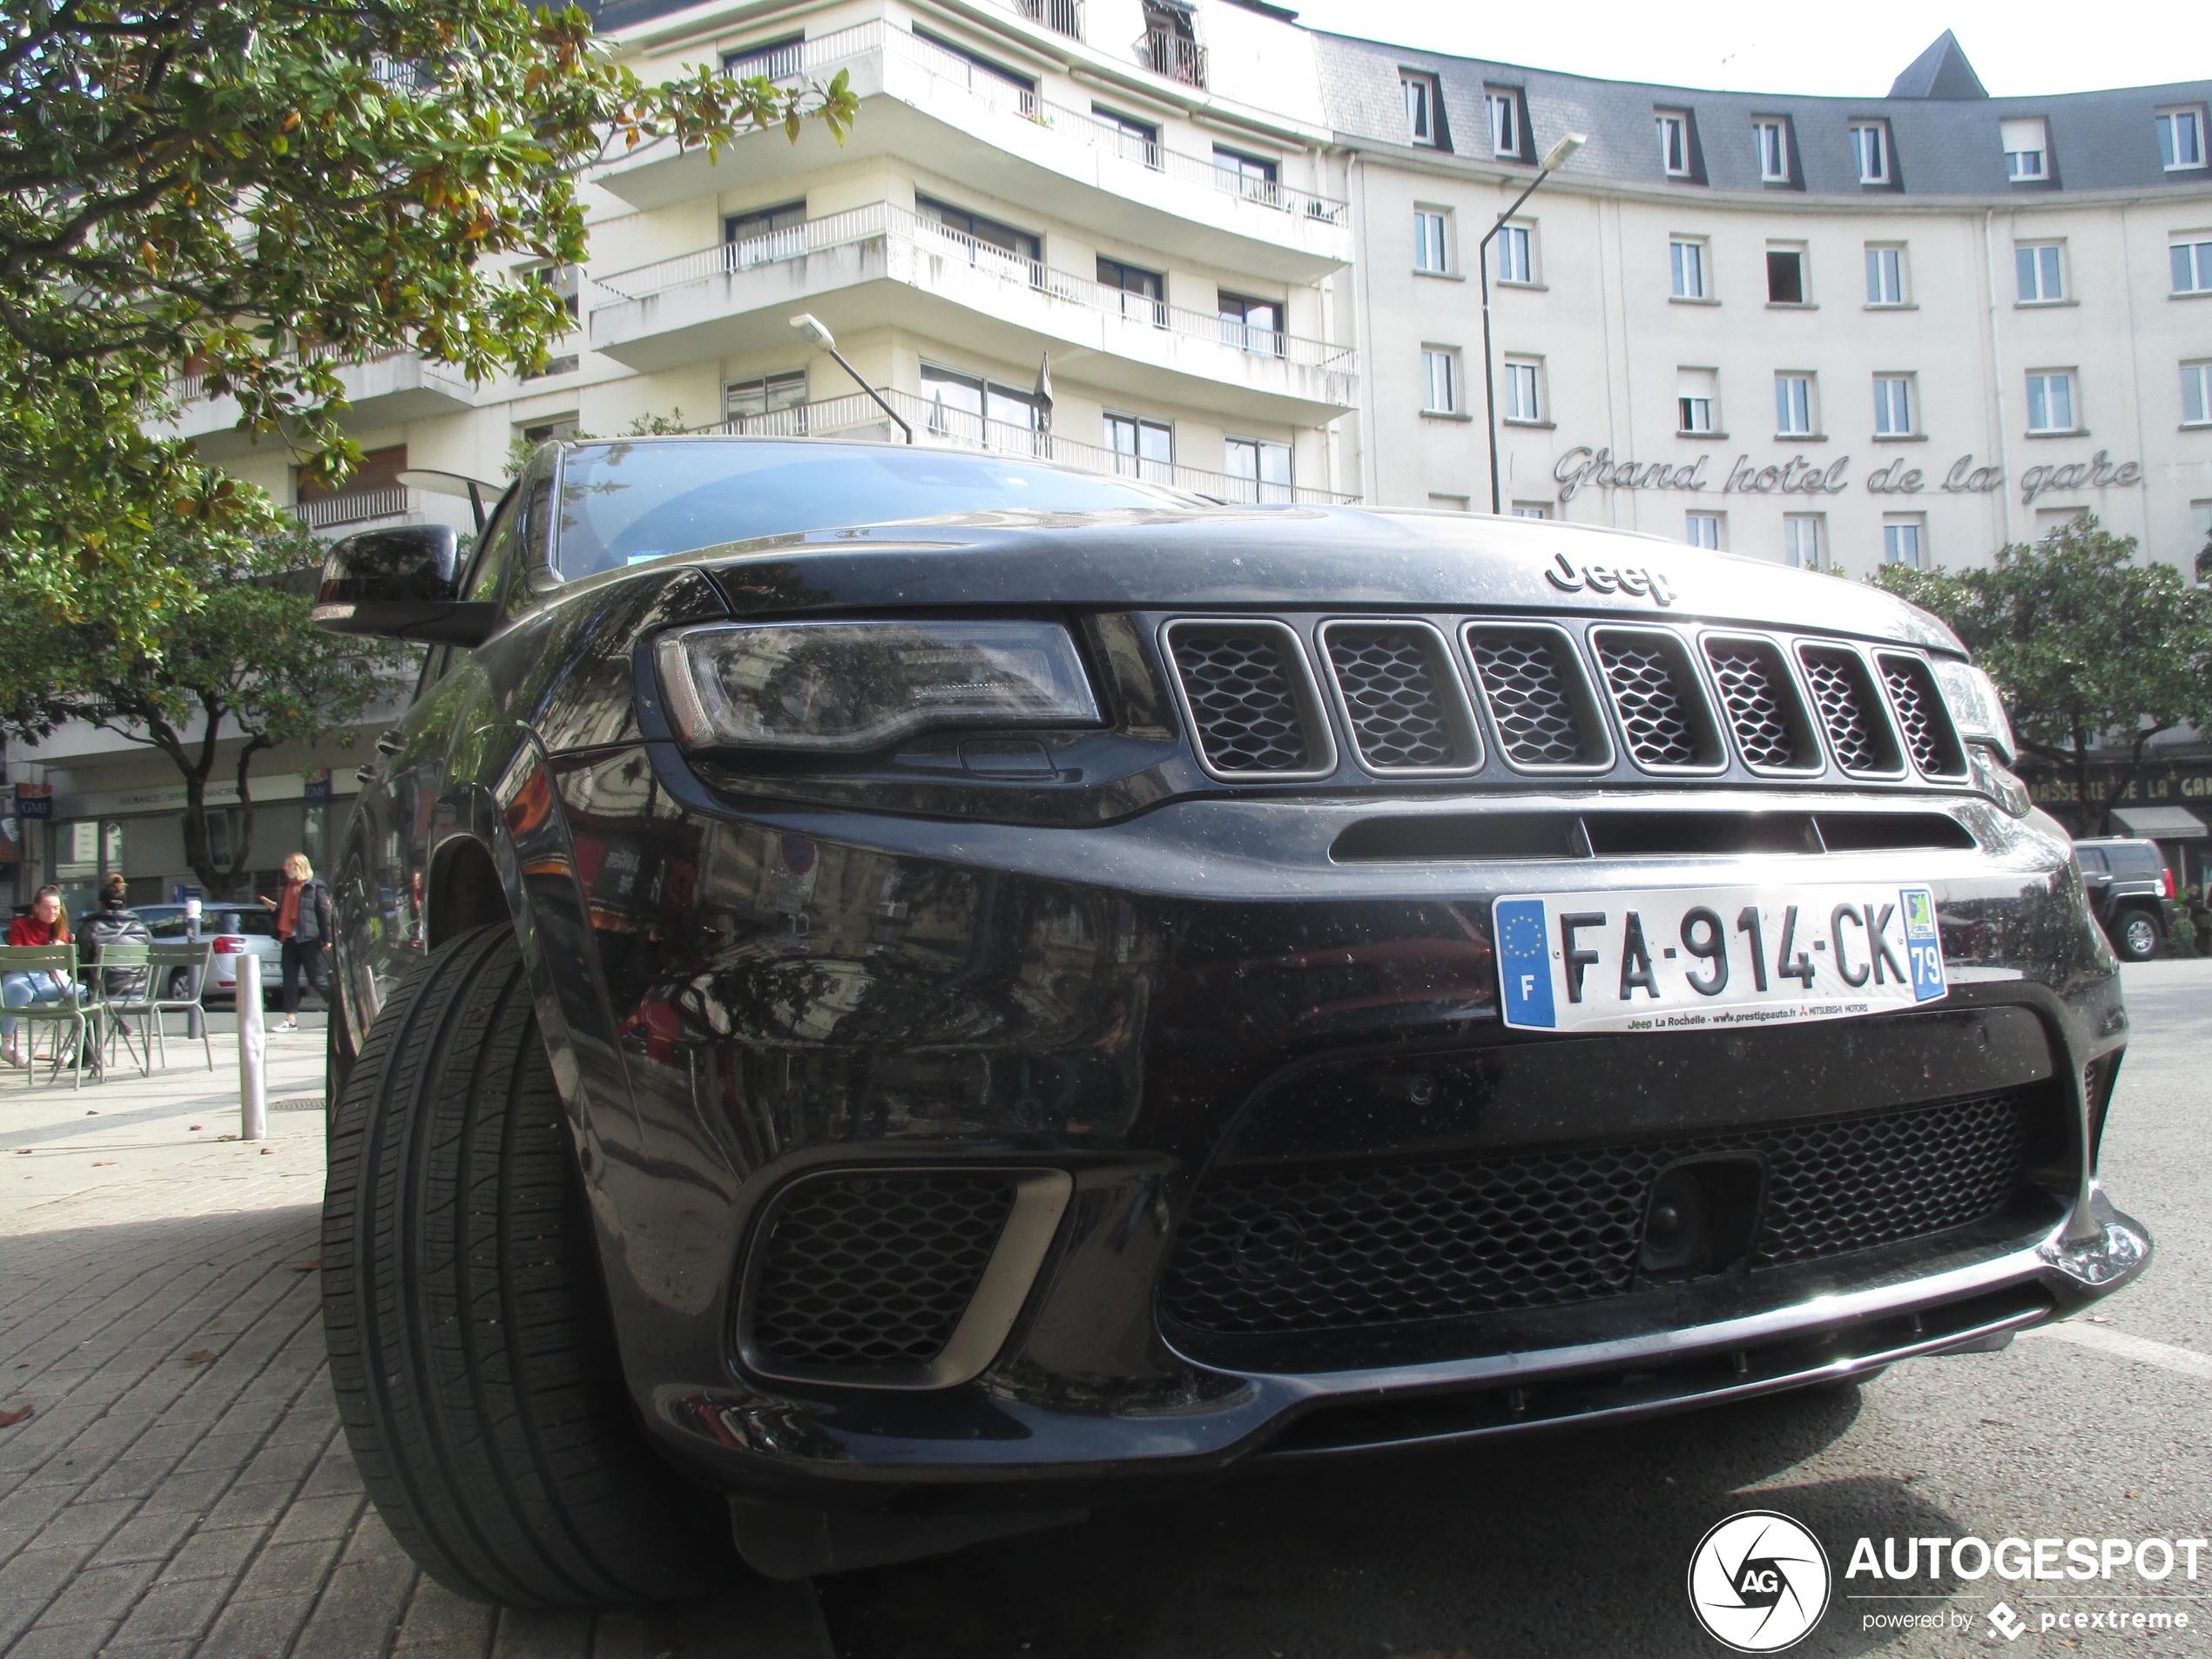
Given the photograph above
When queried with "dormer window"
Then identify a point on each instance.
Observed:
(2181, 139)
(1870, 142)
(1674, 144)
(2027, 145)
(1772, 139)
(1424, 108)
(1504, 103)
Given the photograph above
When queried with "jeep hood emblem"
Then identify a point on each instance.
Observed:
(1605, 578)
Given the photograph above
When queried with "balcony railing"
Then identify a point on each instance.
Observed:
(186, 387)
(1175, 56)
(355, 506)
(794, 59)
(1062, 17)
(941, 424)
(907, 232)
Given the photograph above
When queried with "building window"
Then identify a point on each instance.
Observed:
(960, 404)
(980, 74)
(567, 283)
(1524, 388)
(1702, 529)
(1504, 104)
(2056, 520)
(561, 426)
(1698, 402)
(1261, 468)
(1904, 540)
(1870, 144)
(1251, 176)
(1137, 141)
(1804, 542)
(1786, 276)
(2050, 401)
(1515, 246)
(2197, 393)
(775, 60)
(2181, 139)
(1532, 510)
(1141, 448)
(765, 235)
(1144, 292)
(2039, 268)
(1447, 503)
(1432, 240)
(1440, 379)
(2192, 266)
(2026, 141)
(2200, 528)
(982, 237)
(1674, 144)
(1251, 325)
(1793, 406)
(1884, 275)
(753, 400)
(1424, 109)
(1772, 139)
(1893, 406)
(1689, 256)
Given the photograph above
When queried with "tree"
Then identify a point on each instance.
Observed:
(245, 661)
(2095, 654)
(261, 192)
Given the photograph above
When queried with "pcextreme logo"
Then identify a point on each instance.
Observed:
(1758, 1582)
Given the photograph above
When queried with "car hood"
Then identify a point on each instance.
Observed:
(1296, 558)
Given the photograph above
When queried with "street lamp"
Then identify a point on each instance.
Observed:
(811, 330)
(1555, 158)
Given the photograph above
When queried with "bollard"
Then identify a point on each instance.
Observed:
(252, 1046)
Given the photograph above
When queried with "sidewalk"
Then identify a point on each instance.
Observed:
(181, 1488)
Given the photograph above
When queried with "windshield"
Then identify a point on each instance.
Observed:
(622, 503)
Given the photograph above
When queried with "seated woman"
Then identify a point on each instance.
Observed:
(45, 925)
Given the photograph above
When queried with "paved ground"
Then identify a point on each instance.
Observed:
(180, 1489)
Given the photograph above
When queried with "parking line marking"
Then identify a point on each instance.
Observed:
(2103, 1338)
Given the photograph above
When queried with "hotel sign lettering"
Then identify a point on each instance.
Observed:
(1584, 467)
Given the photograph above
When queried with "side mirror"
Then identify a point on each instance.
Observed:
(401, 584)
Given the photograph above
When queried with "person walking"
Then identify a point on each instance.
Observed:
(303, 928)
(44, 925)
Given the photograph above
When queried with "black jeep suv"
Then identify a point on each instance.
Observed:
(2130, 892)
(891, 996)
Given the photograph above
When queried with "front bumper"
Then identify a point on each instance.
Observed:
(740, 998)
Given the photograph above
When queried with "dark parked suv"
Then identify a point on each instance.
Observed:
(2131, 893)
(891, 997)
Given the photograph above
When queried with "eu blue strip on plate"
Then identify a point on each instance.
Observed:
(1524, 969)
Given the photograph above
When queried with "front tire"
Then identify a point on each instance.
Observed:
(471, 1346)
(2137, 938)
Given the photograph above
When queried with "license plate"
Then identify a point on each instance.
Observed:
(1700, 958)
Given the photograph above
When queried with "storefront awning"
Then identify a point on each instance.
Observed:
(2160, 823)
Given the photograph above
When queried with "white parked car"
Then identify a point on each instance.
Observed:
(235, 930)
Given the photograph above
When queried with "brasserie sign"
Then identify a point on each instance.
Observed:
(1584, 466)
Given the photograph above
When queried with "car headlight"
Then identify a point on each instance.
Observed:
(840, 687)
(1976, 708)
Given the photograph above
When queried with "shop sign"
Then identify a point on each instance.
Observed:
(1584, 466)
(34, 800)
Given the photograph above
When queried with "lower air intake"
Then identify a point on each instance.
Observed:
(872, 1272)
(1289, 1250)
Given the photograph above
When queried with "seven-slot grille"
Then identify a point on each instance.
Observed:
(1402, 694)
(1764, 708)
(1533, 682)
(1928, 735)
(1278, 1250)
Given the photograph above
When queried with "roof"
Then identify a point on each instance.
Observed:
(1946, 139)
(2162, 823)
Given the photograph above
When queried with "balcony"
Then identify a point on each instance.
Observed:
(388, 390)
(1061, 17)
(882, 265)
(857, 416)
(923, 103)
(351, 509)
(1177, 57)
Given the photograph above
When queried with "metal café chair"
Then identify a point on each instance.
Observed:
(79, 1012)
(180, 975)
(114, 1008)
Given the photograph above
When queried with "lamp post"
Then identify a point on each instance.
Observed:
(811, 329)
(1555, 158)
